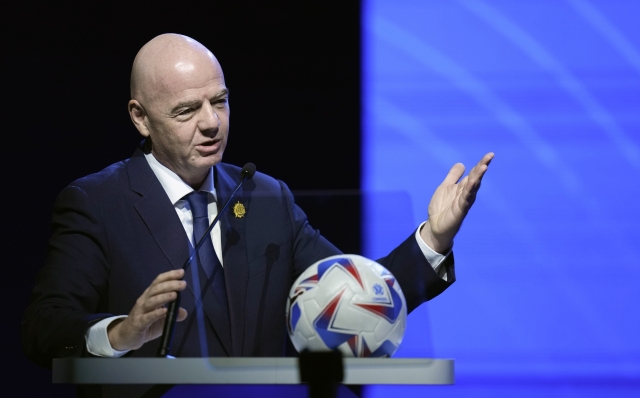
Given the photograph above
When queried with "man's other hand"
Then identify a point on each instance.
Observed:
(146, 319)
(450, 204)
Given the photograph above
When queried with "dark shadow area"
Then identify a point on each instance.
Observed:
(336, 214)
(293, 73)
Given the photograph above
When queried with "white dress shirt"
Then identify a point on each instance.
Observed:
(97, 337)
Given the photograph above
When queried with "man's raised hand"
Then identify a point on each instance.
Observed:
(146, 319)
(450, 204)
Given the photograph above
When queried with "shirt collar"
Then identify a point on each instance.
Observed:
(173, 185)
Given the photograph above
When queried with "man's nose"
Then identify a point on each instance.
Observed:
(209, 121)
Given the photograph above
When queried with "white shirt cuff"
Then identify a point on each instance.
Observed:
(98, 340)
(434, 258)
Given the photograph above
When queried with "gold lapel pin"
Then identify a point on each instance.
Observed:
(239, 210)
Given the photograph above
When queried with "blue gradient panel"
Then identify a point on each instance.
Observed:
(548, 261)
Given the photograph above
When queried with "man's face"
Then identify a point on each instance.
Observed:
(188, 117)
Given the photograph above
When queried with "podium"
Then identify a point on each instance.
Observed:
(357, 371)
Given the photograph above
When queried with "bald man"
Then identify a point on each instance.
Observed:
(120, 236)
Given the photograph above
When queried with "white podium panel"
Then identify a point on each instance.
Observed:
(244, 371)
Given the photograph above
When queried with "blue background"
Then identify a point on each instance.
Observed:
(547, 295)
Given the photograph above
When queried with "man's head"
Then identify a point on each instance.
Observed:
(180, 101)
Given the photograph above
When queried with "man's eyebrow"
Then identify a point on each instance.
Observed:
(184, 104)
(222, 93)
(193, 103)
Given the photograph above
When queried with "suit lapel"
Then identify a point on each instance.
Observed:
(159, 214)
(234, 252)
(157, 211)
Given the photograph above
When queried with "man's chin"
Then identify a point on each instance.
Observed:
(214, 159)
(206, 162)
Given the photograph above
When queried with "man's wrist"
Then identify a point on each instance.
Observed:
(430, 240)
(97, 339)
(435, 259)
(113, 333)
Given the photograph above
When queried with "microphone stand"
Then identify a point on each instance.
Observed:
(166, 339)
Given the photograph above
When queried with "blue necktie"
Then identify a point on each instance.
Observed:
(208, 259)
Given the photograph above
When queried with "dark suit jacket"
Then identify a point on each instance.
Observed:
(116, 230)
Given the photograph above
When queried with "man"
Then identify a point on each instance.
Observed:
(120, 236)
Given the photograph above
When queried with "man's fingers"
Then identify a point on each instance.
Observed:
(473, 181)
(142, 321)
(175, 274)
(475, 177)
(150, 317)
(486, 159)
(161, 292)
(164, 287)
(158, 301)
(454, 174)
(477, 173)
(462, 185)
(149, 308)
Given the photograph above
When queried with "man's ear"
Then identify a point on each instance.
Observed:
(138, 117)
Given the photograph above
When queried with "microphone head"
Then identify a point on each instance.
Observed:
(248, 171)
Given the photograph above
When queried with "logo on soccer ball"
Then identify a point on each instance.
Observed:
(377, 289)
(349, 303)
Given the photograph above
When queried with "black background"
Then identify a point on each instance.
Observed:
(293, 69)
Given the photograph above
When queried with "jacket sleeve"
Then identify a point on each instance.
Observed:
(71, 287)
(418, 280)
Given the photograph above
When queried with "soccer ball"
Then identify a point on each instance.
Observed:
(347, 302)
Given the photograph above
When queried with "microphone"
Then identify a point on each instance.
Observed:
(247, 172)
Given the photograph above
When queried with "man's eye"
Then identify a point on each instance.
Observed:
(186, 112)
